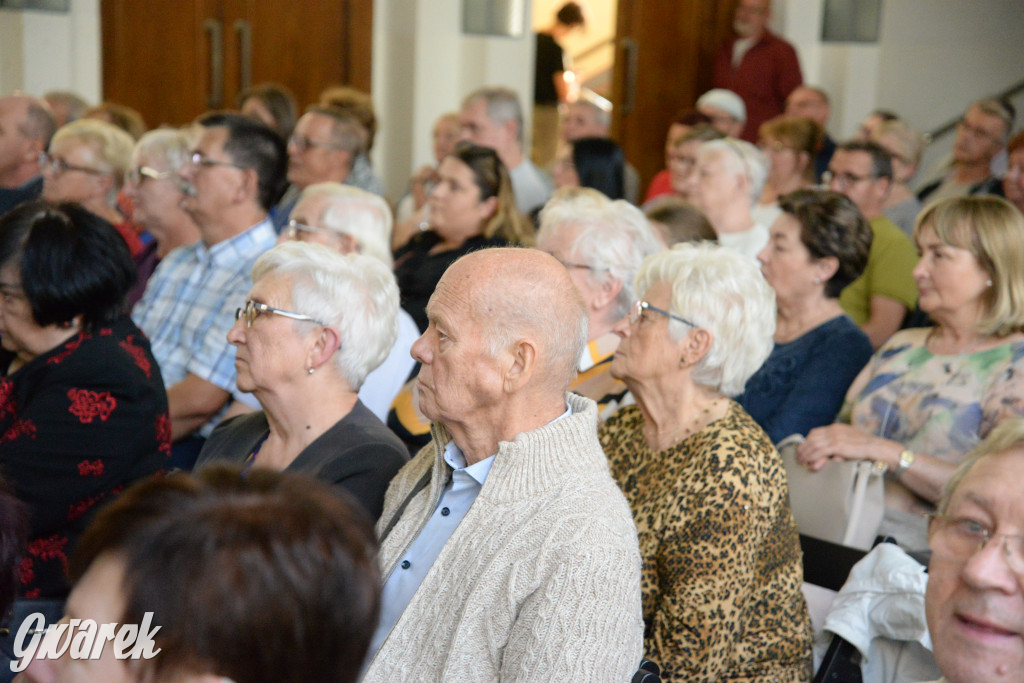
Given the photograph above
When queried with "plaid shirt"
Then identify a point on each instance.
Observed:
(189, 307)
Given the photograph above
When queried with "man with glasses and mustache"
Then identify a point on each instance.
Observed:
(975, 597)
(980, 135)
(879, 299)
(26, 127)
(234, 175)
(322, 149)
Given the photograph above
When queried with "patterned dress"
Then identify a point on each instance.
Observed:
(78, 424)
(722, 563)
(939, 405)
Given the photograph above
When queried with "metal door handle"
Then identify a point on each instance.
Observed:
(215, 98)
(630, 53)
(243, 29)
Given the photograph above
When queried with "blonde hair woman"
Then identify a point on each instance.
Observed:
(929, 395)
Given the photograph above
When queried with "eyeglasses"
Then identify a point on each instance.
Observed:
(200, 159)
(57, 166)
(637, 312)
(294, 230)
(137, 174)
(304, 144)
(976, 132)
(844, 180)
(253, 310)
(774, 146)
(959, 538)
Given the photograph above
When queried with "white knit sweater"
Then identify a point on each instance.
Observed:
(540, 581)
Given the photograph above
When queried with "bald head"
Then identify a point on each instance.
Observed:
(524, 293)
(808, 102)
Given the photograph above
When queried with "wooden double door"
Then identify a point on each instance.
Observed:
(174, 59)
(664, 56)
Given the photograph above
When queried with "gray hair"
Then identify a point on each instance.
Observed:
(723, 292)
(602, 116)
(171, 145)
(38, 123)
(614, 239)
(347, 131)
(909, 143)
(502, 106)
(356, 294)
(999, 109)
(741, 158)
(361, 214)
(112, 145)
(1007, 436)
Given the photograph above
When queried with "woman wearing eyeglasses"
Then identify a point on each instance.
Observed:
(316, 323)
(471, 207)
(86, 164)
(790, 145)
(83, 410)
(722, 565)
(153, 186)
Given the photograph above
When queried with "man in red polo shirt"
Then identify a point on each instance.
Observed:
(757, 65)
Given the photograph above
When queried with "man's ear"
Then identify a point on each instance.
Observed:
(250, 185)
(522, 363)
(605, 295)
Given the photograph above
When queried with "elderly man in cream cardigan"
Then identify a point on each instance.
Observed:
(507, 551)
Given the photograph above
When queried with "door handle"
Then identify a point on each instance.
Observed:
(630, 53)
(243, 29)
(215, 98)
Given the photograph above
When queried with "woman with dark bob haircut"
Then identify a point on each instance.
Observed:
(271, 577)
(83, 410)
(597, 163)
(818, 245)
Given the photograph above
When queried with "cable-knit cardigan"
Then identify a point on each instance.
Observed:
(540, 581)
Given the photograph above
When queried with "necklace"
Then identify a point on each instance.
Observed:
(676, 436)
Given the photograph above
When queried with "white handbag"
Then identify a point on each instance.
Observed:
(843, 502)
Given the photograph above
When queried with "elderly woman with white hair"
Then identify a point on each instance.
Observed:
(730, 176)
(86, 164)
(722, 566)
(154, 189)
(354, 221)
(315, 324)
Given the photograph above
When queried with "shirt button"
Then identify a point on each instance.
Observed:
(406, 564)
(445, 512)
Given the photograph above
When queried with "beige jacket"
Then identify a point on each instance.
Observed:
(540, 581)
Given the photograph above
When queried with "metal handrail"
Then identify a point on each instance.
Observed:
(948, 127)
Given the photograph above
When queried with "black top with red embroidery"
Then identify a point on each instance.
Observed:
(77, 425)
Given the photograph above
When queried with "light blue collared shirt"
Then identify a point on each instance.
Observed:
(458, 496)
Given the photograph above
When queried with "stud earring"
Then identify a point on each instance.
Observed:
(817, 280)
(310, 371)
(989, 283)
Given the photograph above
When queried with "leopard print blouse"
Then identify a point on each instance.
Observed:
(722, 564)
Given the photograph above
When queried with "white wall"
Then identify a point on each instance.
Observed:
(933, 57)
(41, 51)
(423, 66)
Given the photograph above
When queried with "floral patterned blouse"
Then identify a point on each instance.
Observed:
(939, 405)
(78, 424)
(722, 566)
